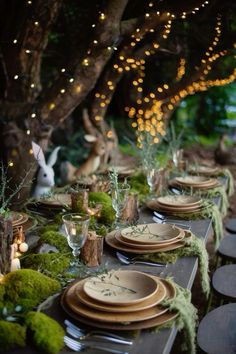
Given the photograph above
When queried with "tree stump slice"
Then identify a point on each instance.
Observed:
(6, 241)
(130, 213)
(91, 252)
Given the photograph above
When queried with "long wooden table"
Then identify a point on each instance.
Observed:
(183, 272)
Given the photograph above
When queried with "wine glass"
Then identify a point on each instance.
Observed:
(119, 195)
(76, 227)
(153, 176)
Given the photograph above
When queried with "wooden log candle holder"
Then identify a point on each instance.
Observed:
(79, 201)
(6, 240)
(91, 252)
(130, 213)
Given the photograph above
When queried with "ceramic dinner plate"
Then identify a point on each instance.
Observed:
(57, 200)
(153, 300)
(145, 246)
(179, 201)
(114, 243)
(151, 233)
(71, 305)
(191, 180)
(16, 217)
(154, 205)
(121, 287)
(204, 170)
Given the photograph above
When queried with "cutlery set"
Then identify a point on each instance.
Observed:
(100, 337)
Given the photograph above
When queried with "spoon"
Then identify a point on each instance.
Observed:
(126, 260)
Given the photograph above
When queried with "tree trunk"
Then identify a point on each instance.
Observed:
(6, 241)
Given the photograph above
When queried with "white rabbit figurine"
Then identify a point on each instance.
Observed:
(45, 177)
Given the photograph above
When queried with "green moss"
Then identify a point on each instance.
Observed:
(27, 287)
(46, 334)
(107, 214)
(49, 263)
(56, 239)
(51, 227)
(12, 335)
(138, 183)
(100, 229)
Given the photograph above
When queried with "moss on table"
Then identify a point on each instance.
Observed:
(45, 333)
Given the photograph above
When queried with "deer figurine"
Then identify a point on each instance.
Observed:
(70, 173)
(45, 176)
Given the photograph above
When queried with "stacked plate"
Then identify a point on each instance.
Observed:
(52, 204)
(204, 170)
(147, 238)
(119, 300)
(196, 182)
(176, 204)
(20, 219)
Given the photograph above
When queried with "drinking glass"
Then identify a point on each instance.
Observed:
(153, 176)
(76, 227)
(119, 197)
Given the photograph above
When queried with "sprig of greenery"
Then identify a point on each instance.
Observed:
(6, 193)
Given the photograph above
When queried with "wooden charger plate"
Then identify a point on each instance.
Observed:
(69, 299)
(144, 246)
(114, 243)
(153, 233)
(121, 287)
(155, 299)
(180, 201)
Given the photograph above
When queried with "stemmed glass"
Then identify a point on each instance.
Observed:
(119, 195)
(153, 175)
(76, 227)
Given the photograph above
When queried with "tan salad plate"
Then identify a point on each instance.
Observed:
(153, 233)
(153, 300)
(69, 301)
(121, 287)
(179, 201)
(144, 246)
(114, 243)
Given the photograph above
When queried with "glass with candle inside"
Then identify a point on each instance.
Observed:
(76, 227)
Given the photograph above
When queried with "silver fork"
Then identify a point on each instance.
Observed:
(161, 219)
(126, 260)
(81, 336)
(78, 346)
(78, 333)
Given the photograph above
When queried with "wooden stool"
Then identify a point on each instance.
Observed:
(217, 331)
(227, 248)
(224, 281)
(230, 225)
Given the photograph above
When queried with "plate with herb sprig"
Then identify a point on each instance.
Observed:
(114, 243)
(179, 201)
(121, 287)
(147, 246)
(153, 233)
(153, 300)
(72, 306)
